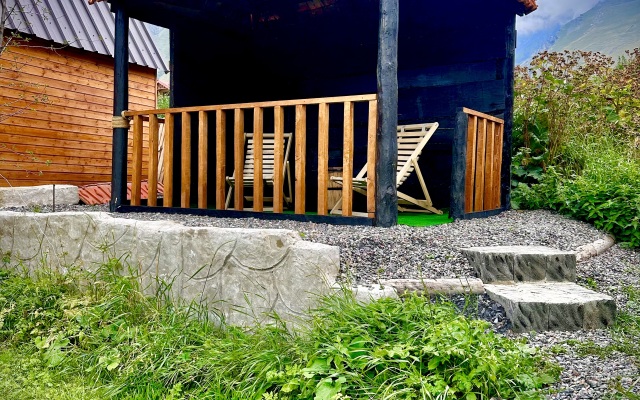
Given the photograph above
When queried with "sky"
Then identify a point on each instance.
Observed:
(551, 13)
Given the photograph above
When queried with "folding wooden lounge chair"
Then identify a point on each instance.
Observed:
(268, 170)
(411, 141)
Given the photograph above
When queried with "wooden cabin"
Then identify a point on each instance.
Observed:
(340, 75)
(56, 91)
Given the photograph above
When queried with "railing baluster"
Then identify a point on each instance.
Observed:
(221, 170)
(238, 154)
(203, 153)
(497, 166)
(323, 158)
(347, 161)
(258, 189)
(371, 158)
(152, 199)
(136, 176)
(169, 120)
(301, 157)
(185, 198)
(488, 178)
(278, 162)
(481, 147)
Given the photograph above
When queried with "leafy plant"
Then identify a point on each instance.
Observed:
(98, 330)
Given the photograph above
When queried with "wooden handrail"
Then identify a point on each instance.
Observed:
(264, 104)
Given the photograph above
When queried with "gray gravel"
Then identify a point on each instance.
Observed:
(369, 254)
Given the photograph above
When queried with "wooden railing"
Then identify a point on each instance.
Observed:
(205, 154)
(477, 163)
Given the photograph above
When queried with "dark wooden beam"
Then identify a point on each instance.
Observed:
(387, 151)
(459, 165)
(505, 178)
(120, 103)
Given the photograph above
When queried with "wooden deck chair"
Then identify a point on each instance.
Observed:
(411, 141)
(268, 170)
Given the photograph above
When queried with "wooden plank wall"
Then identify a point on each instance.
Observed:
(67, 138)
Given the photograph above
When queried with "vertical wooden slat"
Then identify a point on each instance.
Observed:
(471, 163)
(480, 164)
(488, 176)
(136, 176)
(169, 120)
(347, 161)
(371, 158)
(323, 158)
(185, 191)
(203, 153)
(154, 127)
(221, 171)
(300, 157)
(497, 160)
(278, 172)
(258, 189)
(238, 157)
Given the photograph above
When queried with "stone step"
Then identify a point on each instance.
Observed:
(510, 264)
(553, 306)
(43, 195)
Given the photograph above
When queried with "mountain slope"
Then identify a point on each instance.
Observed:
(611, 27)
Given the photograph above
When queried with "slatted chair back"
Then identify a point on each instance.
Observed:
(268, 155)
(411, 142)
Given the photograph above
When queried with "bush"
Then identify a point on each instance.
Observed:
(577, 139)
(100, 331)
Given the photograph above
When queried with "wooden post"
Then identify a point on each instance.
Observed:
(347, 161)
(258, 187)
(278, 161)
(136, 175)
(371, 158)
(167, 200)
(185, 192)
(323, 158)
(120, 104)
(238, 158)
(387, 145)
(301, 157)
(505, 172)
(203, 153)
(221, 171)
(152, 199)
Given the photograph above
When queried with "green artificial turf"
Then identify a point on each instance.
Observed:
(423, 219)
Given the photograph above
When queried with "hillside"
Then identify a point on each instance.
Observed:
(611, 27)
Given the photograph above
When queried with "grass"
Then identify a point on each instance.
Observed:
(96, 336)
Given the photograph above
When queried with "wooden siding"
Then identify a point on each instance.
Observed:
(67, 137)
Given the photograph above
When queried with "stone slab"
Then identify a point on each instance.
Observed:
(366, 294)
(243, 275)
(38, 195)
(522, 264)
(553, 306)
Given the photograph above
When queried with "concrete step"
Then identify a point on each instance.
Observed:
(510, 264)
(553, 306)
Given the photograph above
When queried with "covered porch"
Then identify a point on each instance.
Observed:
(340, 76)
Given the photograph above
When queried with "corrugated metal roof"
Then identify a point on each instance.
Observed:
(77, 24)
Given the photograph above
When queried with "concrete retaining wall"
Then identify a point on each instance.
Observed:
(241, 274)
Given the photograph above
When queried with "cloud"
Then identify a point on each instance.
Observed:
(551, 13)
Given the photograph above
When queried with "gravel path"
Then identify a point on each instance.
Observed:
(369, 254)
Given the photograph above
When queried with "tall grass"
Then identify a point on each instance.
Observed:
(97, 336)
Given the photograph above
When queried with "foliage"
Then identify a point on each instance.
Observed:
(99, 332)
(577, 139)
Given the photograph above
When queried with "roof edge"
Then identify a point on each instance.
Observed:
(528, 6)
